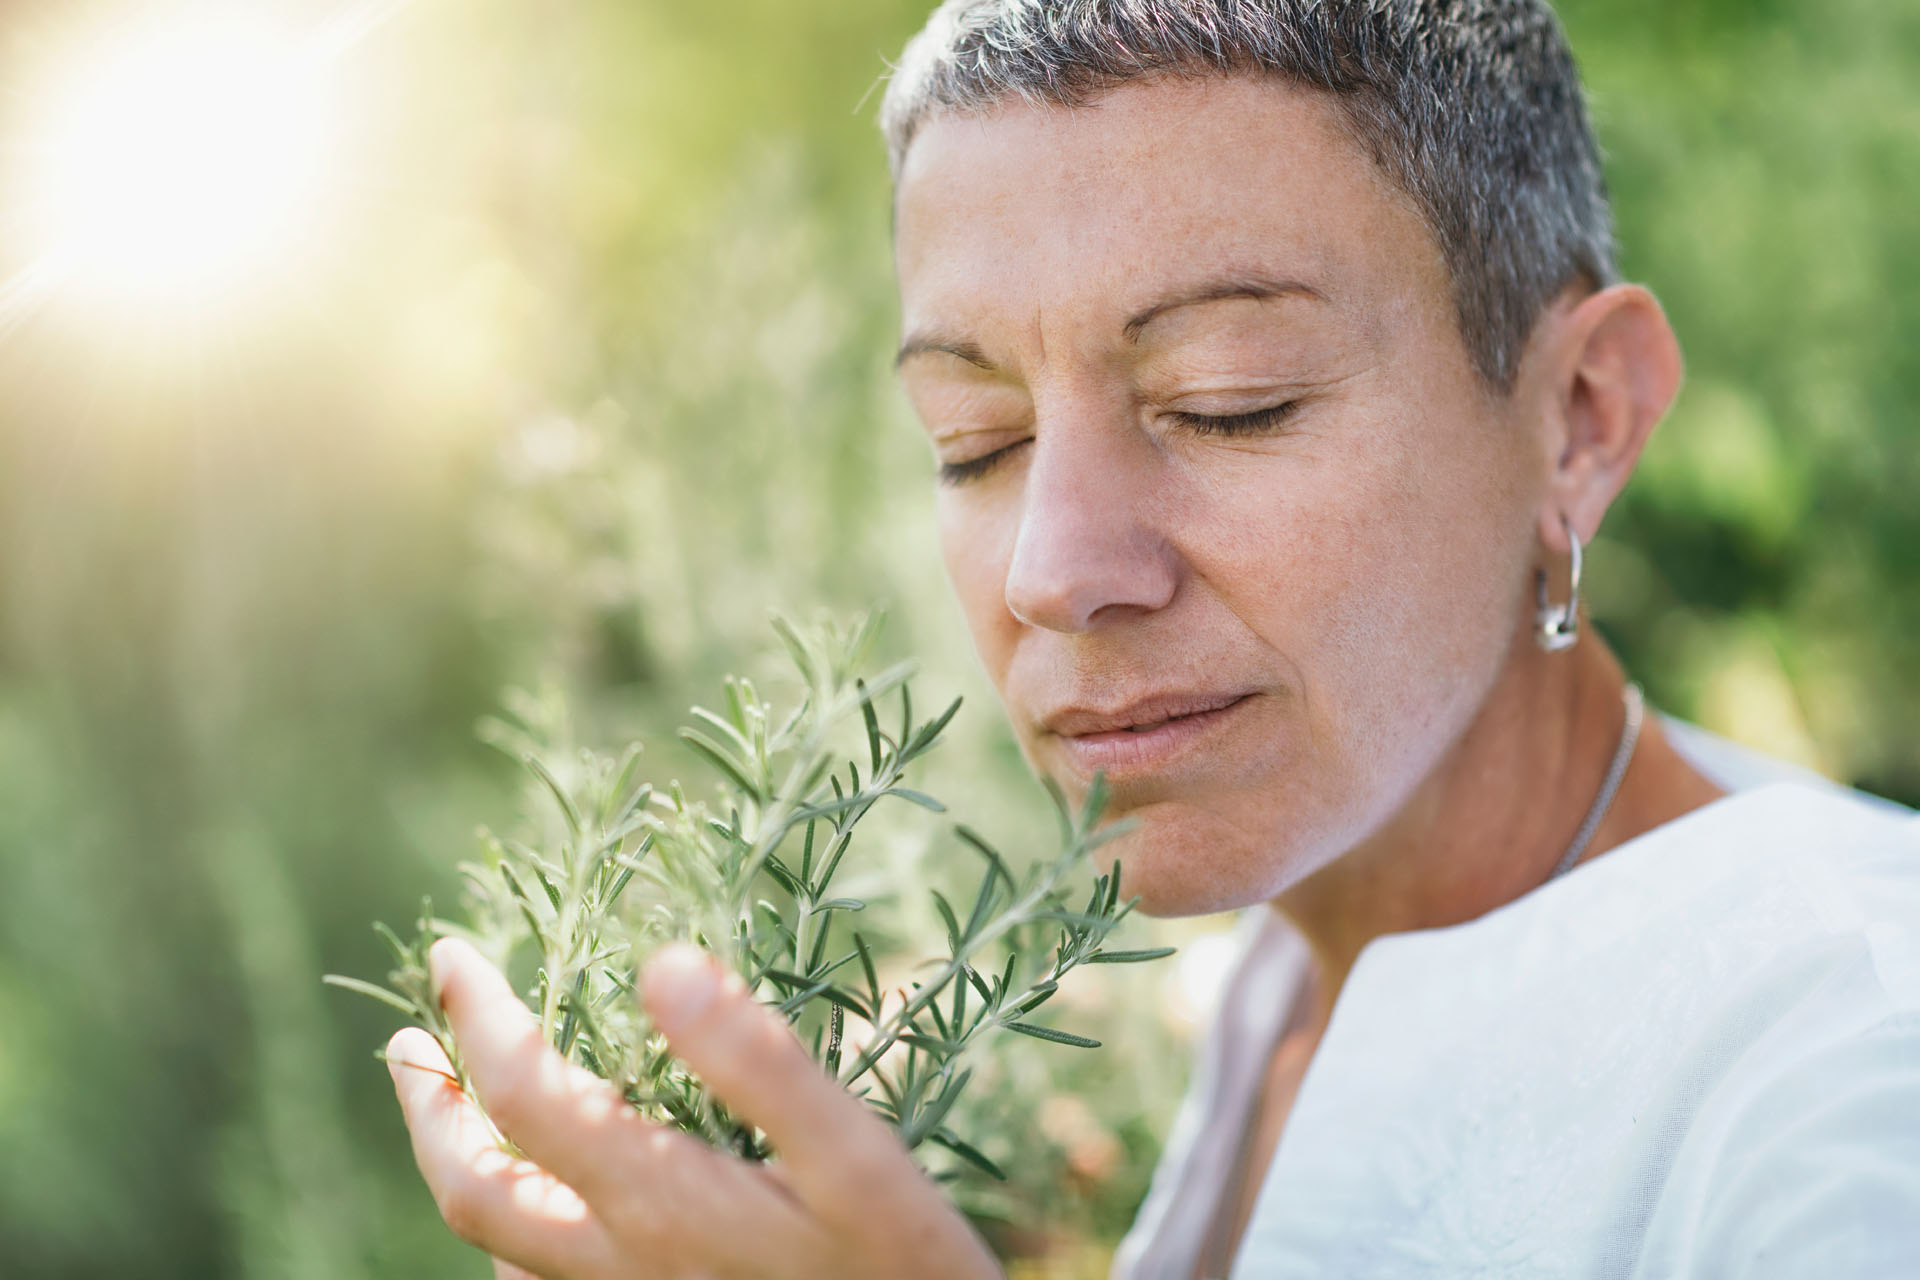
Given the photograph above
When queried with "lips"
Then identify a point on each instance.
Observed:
(1147, 736)
(1146, 713)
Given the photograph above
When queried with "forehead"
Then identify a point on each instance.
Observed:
(1030, 208)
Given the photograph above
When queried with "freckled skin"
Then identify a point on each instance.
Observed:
(1362, 569)
(1364, 566)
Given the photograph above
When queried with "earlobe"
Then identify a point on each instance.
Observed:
(1620, 370)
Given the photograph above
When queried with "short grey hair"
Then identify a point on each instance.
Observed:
(1473, 107)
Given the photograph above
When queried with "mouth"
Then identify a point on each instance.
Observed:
(1146, 736)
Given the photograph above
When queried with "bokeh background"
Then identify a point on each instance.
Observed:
(576, 371)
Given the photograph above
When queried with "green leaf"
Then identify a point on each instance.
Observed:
(736, 709)
(1130, 957)
(953, 924)
(936, 1111)
(559, 793)
(979, 983)
(622, 784)
(401, 951)
(379, 993)
(721, 726)
(906, 714)
(932, 1044)
(968, 1152)
(525, 852)
(978, 842)
(866, 965)
(619, 883)
(514, 885)
(940, 1023)
(1039, 1032)
(821, 990)
(929, 733)
(920, 798)
(828, 808)
(796, 649)
(871, 719)
(982, 907)
(716, 755)
(1096, 802)
(817, 974)
(533, 924)
(835, 851)
(1062, 809)
(1074, 919)
(783, 877)
(553, 894)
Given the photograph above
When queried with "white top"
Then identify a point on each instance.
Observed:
(1696, 1055)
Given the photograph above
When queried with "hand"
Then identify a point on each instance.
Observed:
(605, 1195)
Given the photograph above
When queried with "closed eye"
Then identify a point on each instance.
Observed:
(1237, 424)
(974, 468)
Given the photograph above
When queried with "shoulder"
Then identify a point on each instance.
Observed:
(1784, 894)
(1806, 1163)
(1741, 894)
(1676, 973)
(1817, 866)
(1802, 1148)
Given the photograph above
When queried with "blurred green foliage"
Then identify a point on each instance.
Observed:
(589, 377)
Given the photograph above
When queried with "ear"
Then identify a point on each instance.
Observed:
(1613, 369)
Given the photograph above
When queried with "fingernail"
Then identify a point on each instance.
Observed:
(681, 981)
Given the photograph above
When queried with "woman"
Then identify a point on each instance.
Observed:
(1277, 370)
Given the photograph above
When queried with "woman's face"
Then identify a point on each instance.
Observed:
(1211, 443)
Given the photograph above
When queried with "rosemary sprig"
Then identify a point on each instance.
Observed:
(751, 875)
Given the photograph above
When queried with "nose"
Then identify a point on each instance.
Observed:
(1090, 546)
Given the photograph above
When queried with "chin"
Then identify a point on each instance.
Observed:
(1181, 861)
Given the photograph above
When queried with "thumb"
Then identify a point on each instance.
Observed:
(749, 1056)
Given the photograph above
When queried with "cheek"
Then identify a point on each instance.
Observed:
(1388, 580)
(975, 547)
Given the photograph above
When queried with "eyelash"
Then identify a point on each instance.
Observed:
(974, 468)
(1237, 424)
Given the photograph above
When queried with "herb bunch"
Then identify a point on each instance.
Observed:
(750, 874)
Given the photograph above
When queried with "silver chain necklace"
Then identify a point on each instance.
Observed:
(1622, 754)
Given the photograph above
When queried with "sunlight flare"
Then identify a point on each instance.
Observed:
(181, 163)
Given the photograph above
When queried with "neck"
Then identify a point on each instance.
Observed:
(1497, 814)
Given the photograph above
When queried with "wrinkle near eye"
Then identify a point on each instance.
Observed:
(950, 408)
(1248, 356)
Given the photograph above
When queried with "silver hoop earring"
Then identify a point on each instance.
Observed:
(1557, 626)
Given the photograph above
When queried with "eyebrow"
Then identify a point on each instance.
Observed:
(1214, 291)
(919, 346)
(1218, 291)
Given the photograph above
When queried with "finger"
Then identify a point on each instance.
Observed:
(491, 1199)
(656, 1188)
(749, 1056)
(645, 1181)
(503, 1270)
(563, 1116)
